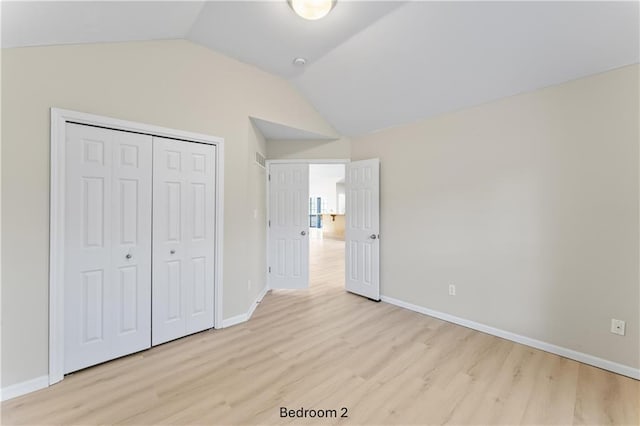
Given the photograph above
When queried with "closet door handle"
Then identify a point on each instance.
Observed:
(172, 252)
(128, 256)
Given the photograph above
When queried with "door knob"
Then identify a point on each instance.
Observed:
(373, 236)
(303, 233)
(172, 252)
(128, 256)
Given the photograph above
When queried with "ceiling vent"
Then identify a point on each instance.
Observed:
(260, 160)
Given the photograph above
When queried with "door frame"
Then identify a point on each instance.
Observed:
(268, 164)
(59, 120)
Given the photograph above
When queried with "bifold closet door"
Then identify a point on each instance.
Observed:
(107, 288)
(183, 238)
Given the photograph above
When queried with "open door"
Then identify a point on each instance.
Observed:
(288, 226)
(362, 232)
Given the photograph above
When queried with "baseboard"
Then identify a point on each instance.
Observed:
(19, 389)
(239, 319)
(42, 382)
(625, 370)
(255, 304)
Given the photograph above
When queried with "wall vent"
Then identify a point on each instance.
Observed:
(260, 160)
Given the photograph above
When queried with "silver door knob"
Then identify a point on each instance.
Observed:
(128, 256)
(373, 236)
(172, 252)
(303, 233)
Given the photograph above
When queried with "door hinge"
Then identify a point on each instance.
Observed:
(269, 223)
(269, 177)
(269, 269)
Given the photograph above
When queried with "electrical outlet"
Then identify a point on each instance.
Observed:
(249, 285)
(452, 290)
(617, 326)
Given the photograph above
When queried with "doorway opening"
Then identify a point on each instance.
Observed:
(327, 203)
(295, 216)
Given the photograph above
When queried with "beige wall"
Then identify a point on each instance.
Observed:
(174, 84)
(309, 150)
(257, 216)
(529, 205)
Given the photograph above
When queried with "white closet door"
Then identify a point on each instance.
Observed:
(107, 245)
(183, 238)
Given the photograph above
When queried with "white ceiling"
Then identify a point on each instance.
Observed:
(427, 58)
(373, 64)
(270, 35)
(277, 131)
(26, 23)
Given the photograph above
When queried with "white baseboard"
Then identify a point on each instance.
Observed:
(239, 319)
(255, 304)
(625, 370)
(42, 382)
(22, 388)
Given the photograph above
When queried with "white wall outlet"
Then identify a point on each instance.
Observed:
(617, 326)
(249, 285)
(452, 290)
(255, 213)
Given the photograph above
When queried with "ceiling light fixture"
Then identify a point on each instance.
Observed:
(299, 61)
(312, 9)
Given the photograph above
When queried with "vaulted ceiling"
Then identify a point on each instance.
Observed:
(370, 64)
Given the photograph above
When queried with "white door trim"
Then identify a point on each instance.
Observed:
(293, 161)
(268, 164)
(59, 119)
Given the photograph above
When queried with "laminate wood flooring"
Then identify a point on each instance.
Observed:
(324, 349)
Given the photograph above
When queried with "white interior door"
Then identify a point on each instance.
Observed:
(289, 226)
(107, 289)
(183, 238)
(362, 232)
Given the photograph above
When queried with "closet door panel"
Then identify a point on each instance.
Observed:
(183, 234)
(108, 215)
(87, 246)
(131, 241)
(200, 174)
(169, 272)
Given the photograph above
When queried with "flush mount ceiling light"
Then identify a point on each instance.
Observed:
(312, 9)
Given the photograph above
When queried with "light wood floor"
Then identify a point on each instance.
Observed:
(326, 349)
